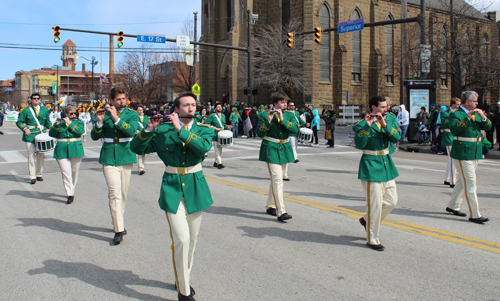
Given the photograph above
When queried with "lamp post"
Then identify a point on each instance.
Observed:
(93, 62)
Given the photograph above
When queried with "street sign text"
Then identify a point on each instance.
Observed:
(350, 26)
(151, 38)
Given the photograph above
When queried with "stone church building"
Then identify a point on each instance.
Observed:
(360, 64)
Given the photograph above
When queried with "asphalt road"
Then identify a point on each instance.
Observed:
(53, 251)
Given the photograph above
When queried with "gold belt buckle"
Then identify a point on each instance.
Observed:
(116, 140)
(282, 141)
(181, 170)
(380, 153)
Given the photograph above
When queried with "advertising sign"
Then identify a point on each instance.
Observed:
(418, 98)
(47, 80)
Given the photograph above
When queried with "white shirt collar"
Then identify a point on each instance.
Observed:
(466, 111)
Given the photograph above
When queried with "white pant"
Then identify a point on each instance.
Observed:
(275, 196)
(69, 170)
(140, 161)
(218, 152)
(40, 157)
(451, 169)
(118, 180)
(294, 142)
(285, 172)
(184, 229)
(381, 198)
(466, 186)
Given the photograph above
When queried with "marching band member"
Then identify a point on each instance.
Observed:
(69, 149)
(218, 121)
(54, 115)
(143, 123)
(85, 117)
(466, 124)
(374, 134)
(450, 177)
(34, 120)
(181, 144)
(116, 125)
(276, 127)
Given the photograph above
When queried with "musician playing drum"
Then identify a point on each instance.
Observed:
(275, 127)
(181, 144)
(69, 149)
(218, 121)
(34, 120)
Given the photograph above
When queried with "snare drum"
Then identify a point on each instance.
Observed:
(305, 135)
(225, 138)
(44, 142)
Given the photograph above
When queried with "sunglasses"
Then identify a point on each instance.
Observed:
(34, 98)
(72, 113)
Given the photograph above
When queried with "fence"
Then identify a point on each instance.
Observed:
(349, 112)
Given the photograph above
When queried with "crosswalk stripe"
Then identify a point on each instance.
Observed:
(13, 156)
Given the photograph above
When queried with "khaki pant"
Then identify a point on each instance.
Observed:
(40, 158)
(381, 198)
(285, 172)
(275, 196)
(294, 142)
(218, 152)
(451, 170)
(466, 186)
(184, 229)
(118, 180)
(69, 170)
(140, 162)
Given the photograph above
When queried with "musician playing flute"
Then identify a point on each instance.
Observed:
(375, 135)
(181, 144)
(116, 125)
(275, 127)
(69, 149)
(143, 123)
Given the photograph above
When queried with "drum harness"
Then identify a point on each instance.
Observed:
(36, 119)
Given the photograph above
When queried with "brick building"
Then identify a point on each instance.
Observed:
(363, 63)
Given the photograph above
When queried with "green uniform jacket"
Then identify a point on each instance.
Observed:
(117, 154)
(461, 126)
(67, 150)
(145, 120)
(212, 120)
(272, 152)
(26, 119)
(445, 124)
(179, 150)
(377, 168)
(433, 116)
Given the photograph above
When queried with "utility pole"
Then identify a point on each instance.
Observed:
(423, 38)
(111, 55)
(452, 47)
(403, 52)
(57, 85)
(249, 50)
(195, 68)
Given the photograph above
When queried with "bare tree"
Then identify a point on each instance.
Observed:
(277, 67)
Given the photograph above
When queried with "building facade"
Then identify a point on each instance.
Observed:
(359, 64)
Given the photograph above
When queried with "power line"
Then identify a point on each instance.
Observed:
(92, 24)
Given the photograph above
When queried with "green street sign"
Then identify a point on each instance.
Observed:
(196, 90)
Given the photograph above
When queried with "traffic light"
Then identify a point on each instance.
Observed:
(120, 39)
(317, 34)
(290, 39)
(56, 34)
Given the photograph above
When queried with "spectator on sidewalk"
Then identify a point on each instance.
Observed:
(433, 123)
(439, 148)
(315, 127)
(403, 121)
(422, 116)
(330, 119)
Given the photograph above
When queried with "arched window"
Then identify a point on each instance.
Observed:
(389, 52)
(285, 11)
(324, 48)
(356, 49)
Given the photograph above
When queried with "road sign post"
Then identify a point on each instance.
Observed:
(196, 89)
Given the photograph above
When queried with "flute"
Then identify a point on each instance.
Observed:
(164, 117)
(70, 118)
(104, 110)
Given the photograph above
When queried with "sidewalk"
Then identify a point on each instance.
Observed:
(414, 147)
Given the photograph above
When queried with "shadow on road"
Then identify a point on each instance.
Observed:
(66, 227)
(238, 212)
(303, 236)
(240, 176)
(45, 195)
(115, 281)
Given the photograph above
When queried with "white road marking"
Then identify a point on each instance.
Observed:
(12, 157)
(90, 154)
(25, 185)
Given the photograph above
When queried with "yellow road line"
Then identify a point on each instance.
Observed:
(401, 225)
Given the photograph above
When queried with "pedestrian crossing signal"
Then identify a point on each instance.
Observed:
(290, 39)
(120, 39)
(317, 34)
(57, 34)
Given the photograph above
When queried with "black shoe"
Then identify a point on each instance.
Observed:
(452, 186)
(286, 179)
(39, 179)
(296, 161)
(215, 164)
(456, 212)
(124, 232)
(118, 238)
(271, 211)
(362, 222)
(33, 181)
(1, 133)
(284, 217)
(446, 183)
(479, 220)
(70, 199)
(220, 166)
(142, 172)
(376, 247)
(181, 297)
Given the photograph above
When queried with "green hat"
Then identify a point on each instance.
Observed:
(254, 107)
(262, 107)
(235, 109)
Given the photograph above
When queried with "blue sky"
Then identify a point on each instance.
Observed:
(162, 17)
